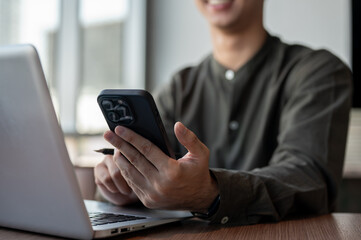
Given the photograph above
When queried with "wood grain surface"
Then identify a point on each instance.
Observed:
(331, 226)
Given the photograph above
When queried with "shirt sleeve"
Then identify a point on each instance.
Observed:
(303, 174)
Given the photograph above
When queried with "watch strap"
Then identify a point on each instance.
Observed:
(211, 210)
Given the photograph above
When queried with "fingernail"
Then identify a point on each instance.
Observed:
(119, 130)
(108, 135)
(183, 129)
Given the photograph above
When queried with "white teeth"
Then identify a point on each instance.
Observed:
(214, 2)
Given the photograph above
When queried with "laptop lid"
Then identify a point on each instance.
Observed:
(39, 190)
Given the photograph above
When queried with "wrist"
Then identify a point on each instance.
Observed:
(211, 204)
(211, 210)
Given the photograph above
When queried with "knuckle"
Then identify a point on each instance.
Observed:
(119, 145)
(115, 174)
(129, 137)
(104, 180)
(146, 203)
(162, 190)
(125, 172)
(136, 158)
(108, 161)
(192, 138)
(97, 181)
(173, 176)
(107, 180)
(96, 171)
(146, 148)
(131, 184)
(100, 174)
(99, 166)
(150, 201)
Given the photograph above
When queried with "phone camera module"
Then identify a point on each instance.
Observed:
(112, 116)
(107, 105)
(118, 111)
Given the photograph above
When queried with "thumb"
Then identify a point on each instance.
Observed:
(189, 140)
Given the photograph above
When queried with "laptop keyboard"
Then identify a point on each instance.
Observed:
(100, 218)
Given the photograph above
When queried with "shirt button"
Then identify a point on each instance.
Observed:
(233, 125)
(224, 220)
(229, 75)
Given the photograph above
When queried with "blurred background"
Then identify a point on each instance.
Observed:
(89, 45)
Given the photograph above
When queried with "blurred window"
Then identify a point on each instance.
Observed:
(23, 21)
(84, 46)
(101, 50)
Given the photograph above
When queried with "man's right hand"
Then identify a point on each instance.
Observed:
(111, 183)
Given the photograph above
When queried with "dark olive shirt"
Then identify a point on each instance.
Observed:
(276, 129)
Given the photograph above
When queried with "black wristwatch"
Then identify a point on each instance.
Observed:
(211, 210)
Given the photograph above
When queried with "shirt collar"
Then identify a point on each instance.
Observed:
(223, 73)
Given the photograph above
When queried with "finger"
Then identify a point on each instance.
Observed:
(131, 154)
(135, 180)
(102, 177)
(117, 198)
(144, 165)
(189, 140)
(117, 177)
(144, 146)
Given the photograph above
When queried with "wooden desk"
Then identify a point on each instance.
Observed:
(331, 226)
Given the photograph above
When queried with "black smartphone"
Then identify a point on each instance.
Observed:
(136, 110)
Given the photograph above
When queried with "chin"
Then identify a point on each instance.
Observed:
(224, 20)
(227, 14)
(220, 12)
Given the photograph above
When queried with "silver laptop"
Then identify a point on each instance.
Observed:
(38, 188)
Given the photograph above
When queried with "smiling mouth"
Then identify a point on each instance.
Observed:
(218, 2)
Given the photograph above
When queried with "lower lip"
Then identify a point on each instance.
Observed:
(220, 7)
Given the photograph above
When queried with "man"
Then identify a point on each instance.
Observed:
(268, 124)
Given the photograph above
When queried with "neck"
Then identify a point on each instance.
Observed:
(233, 49)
